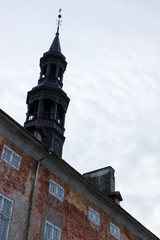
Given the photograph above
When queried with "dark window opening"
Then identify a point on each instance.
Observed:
(60, 115)
(57, 146)
(60, 74)
(53, 70)
(48, 109)
(33, 110)
(44, 70)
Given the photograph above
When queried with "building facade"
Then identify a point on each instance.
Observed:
(41, 196)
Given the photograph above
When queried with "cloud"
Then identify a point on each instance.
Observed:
(112, 79)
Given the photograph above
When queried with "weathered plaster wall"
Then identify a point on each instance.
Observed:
(16, 185)
(71, 215)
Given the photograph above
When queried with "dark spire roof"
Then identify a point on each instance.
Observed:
(55, 47)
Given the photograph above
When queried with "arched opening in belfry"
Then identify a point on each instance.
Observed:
(60, 73)
(44, 70)
(48, 107)
(53, 70)
(60, 114)
(33, 110)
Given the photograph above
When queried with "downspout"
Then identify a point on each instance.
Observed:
(32, 192)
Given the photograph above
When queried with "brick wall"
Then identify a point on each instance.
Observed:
(71, 214)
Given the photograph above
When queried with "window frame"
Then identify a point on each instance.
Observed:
(58, 188)
(11, 159)
(3, 215)
(52, 228)
(115, 231)
(94, 216)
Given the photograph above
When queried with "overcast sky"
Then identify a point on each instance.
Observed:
(113, 80)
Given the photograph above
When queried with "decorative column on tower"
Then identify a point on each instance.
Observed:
(47, 102)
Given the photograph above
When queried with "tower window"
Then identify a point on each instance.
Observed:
(44, 70)
(57, 146)
(53, 70)
(5, 216)
(33, 110)
(48, 109)
(60, 115)
(60, 74)
(51, 232)
(38, 135)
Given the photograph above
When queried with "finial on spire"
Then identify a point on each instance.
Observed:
(59, 20)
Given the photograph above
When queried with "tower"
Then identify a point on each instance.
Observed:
(47, 102)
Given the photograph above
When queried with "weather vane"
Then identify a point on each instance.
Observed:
(59, 20)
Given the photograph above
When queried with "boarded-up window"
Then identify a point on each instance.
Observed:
(56, 190)
(51, 232)
(5, 216)
(94, 216)
(12, 158)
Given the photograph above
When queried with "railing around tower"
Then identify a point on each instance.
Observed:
(32, 116)
(47, 115)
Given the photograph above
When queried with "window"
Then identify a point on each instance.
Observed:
(53, 70)
(60, 74)
(94, 216)
(48, 107)
(51, 232)
(5, 216)
(60, 114)
(56, 190)
(38, 135)
(57, 146)
(44, 70)
(12, 158)
(114, 231)
(33, 110)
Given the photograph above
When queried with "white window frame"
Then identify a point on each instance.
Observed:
(52, 232)
(115, 231)
(38, 135)
(94, 216)
(5, 217)
(11, 157)
(56, 190)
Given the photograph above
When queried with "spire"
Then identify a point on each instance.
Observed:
(55, 46)
(47, 102)
(59, 20)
